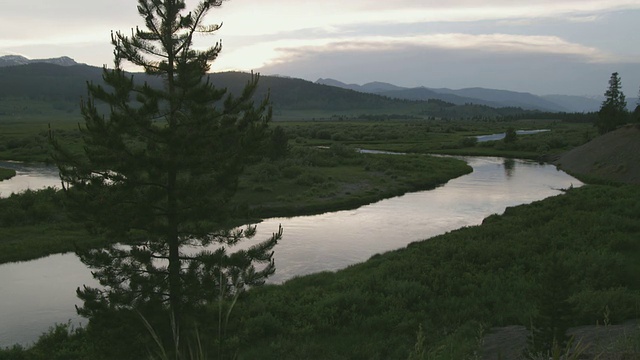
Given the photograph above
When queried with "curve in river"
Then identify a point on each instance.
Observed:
(28, 176)
(36, 294)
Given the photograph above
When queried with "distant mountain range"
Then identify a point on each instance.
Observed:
(13, 60)
(63, 80)
(481, 96)
(61, 83)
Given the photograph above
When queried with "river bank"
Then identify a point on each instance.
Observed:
(336, 240)
(6, 174)
(34, 224)
(437, 297)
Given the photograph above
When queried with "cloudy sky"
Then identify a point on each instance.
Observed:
(542, 46)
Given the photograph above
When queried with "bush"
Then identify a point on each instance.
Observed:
(469, 141)
(6, 174)
(308, 179)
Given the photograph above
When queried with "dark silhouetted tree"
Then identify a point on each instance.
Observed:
(279, 144)
(613, 111)
(510, 136)
(555, 311)
(158, 171)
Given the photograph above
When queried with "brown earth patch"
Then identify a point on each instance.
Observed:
(614, 156)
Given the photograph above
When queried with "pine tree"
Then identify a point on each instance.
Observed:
(613, 111)
(549, 327)
(158, 171)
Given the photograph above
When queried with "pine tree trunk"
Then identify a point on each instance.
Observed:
(173, 240)
(175, 285)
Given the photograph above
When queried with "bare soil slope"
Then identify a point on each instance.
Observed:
(614, 156)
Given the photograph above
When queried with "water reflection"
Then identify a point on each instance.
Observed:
(33, 297)
(509, 167)
(335, 240)
(37, 294)
(500, 136)
(28, 176)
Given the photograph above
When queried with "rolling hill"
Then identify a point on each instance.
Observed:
(291, 98)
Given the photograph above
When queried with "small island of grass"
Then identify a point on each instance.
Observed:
(6, 174)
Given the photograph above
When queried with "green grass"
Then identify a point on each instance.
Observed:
(454, 287)
(309, 181)
(34, 224)
(6, 174)
(444, 137)
(451, 286)
(27, 138)
(490, 274)
(317, 180)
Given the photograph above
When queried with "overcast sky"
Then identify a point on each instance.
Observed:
(542, 47)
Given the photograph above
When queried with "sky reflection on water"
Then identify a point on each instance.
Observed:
(36, 294)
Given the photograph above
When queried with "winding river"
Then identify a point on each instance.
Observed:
(36, 294)
(28, 177)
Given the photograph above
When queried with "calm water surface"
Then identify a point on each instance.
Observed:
(36, 294)
(493, 137)
(28, 176)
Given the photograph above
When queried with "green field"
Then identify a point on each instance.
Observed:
(578, 252)
(6, 174)
(309, 180)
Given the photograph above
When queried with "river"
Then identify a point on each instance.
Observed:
(36, 294)
(500, 136)
(28, 177)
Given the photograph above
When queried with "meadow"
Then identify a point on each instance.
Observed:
(6, 174)
(435, 299)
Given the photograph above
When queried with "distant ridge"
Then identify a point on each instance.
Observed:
(479, 96)
(372, 87)
(64, 86)
(16, 60)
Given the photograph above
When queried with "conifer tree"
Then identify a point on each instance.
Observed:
(161, 160)
(613, 111)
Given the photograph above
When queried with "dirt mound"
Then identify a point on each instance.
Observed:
(614, 156)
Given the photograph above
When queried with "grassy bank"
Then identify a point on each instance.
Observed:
(579, 252)
(310, 180)
(6, 174)
(26, 139)
(581, 249)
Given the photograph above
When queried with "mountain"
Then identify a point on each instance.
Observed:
(14, 60)
(63, 86)
(576, 103)
(47, 81)
(372, 87)
(480, 96)
(398, 92)
(423, 94)
(506, 98)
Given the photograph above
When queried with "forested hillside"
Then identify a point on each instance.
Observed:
(64, 86)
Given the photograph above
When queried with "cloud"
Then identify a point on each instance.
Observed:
(291, 15)
(539, 73)
(287, 34)
(285, 51)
